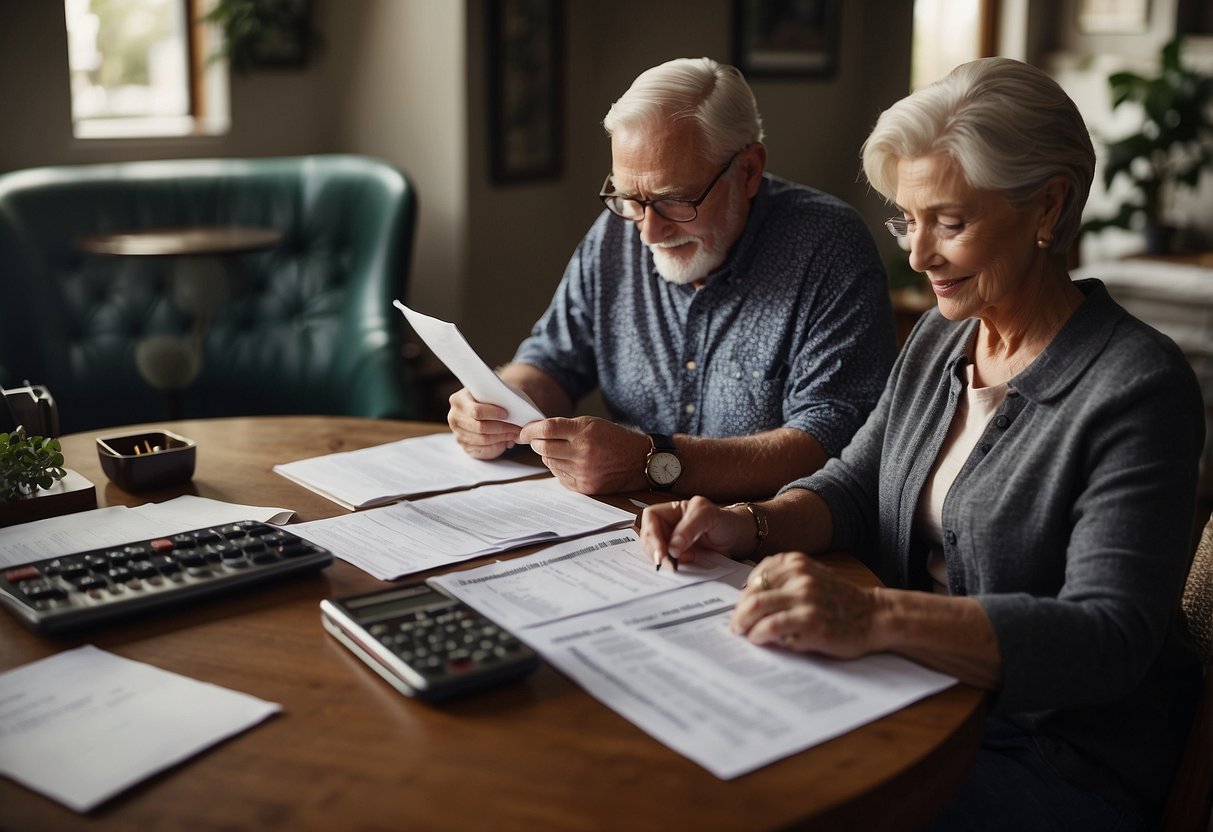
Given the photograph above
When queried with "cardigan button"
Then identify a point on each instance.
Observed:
(949, 537)
(1002, 421)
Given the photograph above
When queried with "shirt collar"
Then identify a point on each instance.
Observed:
(1075, 347)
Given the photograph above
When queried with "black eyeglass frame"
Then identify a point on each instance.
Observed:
(606, 196)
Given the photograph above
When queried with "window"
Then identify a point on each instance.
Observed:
(948, 33)
(142, 68)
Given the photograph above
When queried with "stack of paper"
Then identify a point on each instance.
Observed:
(656, 647)
(415, 536)
(386, 473)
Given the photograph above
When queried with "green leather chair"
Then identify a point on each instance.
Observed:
(308, 327)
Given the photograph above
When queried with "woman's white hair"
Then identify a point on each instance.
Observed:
(713, 95)
(1007, 124)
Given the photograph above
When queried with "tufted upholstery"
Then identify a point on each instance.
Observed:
(310, 328)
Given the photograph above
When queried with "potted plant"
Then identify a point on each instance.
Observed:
(1173, 146)
(28, 463)
(32, 484)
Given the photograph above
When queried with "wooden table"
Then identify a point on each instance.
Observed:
(349, 753)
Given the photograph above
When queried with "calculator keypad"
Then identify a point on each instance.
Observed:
(65, 592)
(446, 639)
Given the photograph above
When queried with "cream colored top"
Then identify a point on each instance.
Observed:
(973, 414)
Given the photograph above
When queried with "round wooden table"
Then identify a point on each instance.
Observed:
(348, 752)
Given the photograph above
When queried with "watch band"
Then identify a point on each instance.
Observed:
(661, 442)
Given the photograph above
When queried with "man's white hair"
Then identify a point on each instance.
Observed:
(714, 96)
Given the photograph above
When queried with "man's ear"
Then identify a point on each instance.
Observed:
(753, 161)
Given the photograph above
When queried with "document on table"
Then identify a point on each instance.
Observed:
(387, 473)
(414, 536)
(85, 530)
(84, 725)
(446, 341)
(656, 647)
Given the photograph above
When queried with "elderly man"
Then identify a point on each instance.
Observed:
(737, 324)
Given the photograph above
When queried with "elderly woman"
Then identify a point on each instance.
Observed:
(1025, 486)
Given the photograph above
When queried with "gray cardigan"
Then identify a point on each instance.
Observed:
(1070, 523)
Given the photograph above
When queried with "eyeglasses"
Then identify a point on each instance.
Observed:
(674, 210)
(898, 226)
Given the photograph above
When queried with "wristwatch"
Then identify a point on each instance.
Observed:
(662, 467)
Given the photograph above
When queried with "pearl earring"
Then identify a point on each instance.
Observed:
(1042, 243)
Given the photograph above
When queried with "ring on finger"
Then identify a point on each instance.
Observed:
(763, 583)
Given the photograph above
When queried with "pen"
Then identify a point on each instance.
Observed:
(673, 562)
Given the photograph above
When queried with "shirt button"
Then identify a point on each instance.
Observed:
(985, 447)
(691, 365)
(690, 408)
(1002, 421)
(950, 537)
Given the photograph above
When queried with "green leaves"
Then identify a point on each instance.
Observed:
(28, 463)
(1174, 144)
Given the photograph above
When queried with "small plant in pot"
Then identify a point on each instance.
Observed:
(27, 464)
(1171, 150)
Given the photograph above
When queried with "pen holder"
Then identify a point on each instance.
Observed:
(146, 461)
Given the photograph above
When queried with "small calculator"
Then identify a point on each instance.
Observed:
(425, 643)
(73, 592)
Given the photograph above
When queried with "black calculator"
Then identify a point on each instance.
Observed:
(425, 643)
(73, 592)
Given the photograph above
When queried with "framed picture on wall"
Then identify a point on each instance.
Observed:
(786, 38)
(1113, 17)
(525, 93)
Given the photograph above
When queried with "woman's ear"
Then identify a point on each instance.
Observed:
(1051, 201)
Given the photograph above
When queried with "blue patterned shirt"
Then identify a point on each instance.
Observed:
(794, 330)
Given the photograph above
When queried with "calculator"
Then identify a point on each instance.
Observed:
(425, 643)
(74, 592)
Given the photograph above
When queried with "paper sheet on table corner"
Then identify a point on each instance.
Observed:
(85, 725)
(446, 341)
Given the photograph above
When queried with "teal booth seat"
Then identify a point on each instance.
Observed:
(307, 325)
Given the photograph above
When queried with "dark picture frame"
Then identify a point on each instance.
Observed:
(525, 90)
(286, 38)
(786, 38)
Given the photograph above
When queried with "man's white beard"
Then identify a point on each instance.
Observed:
(686, 269)
(709, 254)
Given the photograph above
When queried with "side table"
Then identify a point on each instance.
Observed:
(200, 281)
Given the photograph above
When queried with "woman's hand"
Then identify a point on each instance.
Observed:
(798, 603)
(686, 528)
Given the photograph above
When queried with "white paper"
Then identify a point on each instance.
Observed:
(447, 342)
(570, 578)
(84, 725)
(86, 530)
(667, 661)
(411, 537)
(396, 470)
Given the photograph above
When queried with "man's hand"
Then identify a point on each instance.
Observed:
(478, 427)
(590, 455)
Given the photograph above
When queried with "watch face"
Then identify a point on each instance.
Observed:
(664, 468)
